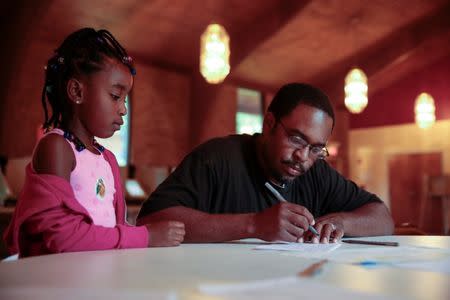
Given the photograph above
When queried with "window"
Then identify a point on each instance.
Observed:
(119, 142)
(249, 115)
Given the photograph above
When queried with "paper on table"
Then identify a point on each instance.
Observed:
(306, 248)
(388, 254)
(284, 288)
(418, 258)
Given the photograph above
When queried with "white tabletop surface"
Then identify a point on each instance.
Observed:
(180, 270)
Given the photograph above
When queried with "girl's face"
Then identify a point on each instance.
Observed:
(103, 101)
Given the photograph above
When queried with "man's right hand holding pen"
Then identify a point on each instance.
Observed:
(294, 223)
(291, 222)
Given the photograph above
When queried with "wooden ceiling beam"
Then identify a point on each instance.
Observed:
(387, 54)
(262, 27)
(423, 55)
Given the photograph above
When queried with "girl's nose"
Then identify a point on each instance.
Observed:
(122, 109)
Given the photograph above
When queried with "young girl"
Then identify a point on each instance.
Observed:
(72, 198)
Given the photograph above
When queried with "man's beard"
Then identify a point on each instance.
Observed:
(274, 174)
(282, 179)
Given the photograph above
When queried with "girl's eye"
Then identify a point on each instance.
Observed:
(115, 97)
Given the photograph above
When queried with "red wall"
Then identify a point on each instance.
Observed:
(395, 104)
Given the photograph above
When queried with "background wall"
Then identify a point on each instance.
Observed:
(387, 127)
(159, 116)
(371, 148)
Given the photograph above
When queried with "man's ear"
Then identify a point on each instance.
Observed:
(269, 121)
(75, 90)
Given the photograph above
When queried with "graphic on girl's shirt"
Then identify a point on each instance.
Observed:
(100, 189)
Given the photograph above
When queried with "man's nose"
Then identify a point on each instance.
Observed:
(302, 154)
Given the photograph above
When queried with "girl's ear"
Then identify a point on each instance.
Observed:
(75, 90)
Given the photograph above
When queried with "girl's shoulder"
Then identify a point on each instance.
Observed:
(54, 155)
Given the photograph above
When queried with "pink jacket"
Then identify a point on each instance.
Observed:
(48, 219)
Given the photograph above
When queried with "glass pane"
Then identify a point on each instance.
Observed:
(249, 111)
(248, 123)
(119, 142)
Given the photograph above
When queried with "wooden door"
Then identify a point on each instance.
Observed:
(407, 174)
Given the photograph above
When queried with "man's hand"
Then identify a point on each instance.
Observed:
(165, 233)
(331, 230)
(283, 222)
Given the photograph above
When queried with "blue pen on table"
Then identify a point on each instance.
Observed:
(281, 199)
(371, 264)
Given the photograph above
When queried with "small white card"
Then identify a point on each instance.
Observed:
(303, 247)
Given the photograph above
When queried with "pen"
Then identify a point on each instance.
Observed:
(312, 269)
(371, 264)
(281, 199)
(392, 244)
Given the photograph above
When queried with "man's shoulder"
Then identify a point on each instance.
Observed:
(224, 145)
(318, 171)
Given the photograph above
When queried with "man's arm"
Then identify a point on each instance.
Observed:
(368, 220)
(347, 208)
(284, 221)
(203, 227)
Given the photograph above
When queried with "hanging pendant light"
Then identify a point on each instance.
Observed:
(215, 53)
(424, 109)
(356, 91)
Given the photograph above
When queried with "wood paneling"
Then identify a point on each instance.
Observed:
(159, 117)
(407, 175)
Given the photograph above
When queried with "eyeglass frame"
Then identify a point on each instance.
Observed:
(304, 144)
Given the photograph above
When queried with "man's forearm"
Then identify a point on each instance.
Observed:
(202, 227)
(370, 219)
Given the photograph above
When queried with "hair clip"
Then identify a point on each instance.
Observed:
(127, 59)
(61, 60)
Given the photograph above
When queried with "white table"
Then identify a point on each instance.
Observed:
(181, 269)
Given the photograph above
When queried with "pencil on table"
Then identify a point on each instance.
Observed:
(312, 269)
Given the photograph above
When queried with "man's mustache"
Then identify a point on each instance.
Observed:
(295, 165)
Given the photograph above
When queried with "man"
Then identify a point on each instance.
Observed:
(218, 191)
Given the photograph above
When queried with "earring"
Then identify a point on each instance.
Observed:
(78, 101)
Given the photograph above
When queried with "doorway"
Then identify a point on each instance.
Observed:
(407, 190)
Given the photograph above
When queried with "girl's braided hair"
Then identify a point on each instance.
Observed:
(82, 53)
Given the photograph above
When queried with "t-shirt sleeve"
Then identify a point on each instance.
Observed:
(339, 193)
(189, 185)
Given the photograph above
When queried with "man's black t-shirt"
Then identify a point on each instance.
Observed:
(223, 176)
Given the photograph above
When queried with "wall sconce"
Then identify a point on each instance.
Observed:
(215, 53)
(356, 91)
(333, 148)
(424, 109)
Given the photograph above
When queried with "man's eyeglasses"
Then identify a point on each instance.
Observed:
(317, 152)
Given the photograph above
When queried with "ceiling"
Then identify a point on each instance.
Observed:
(272, 41)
